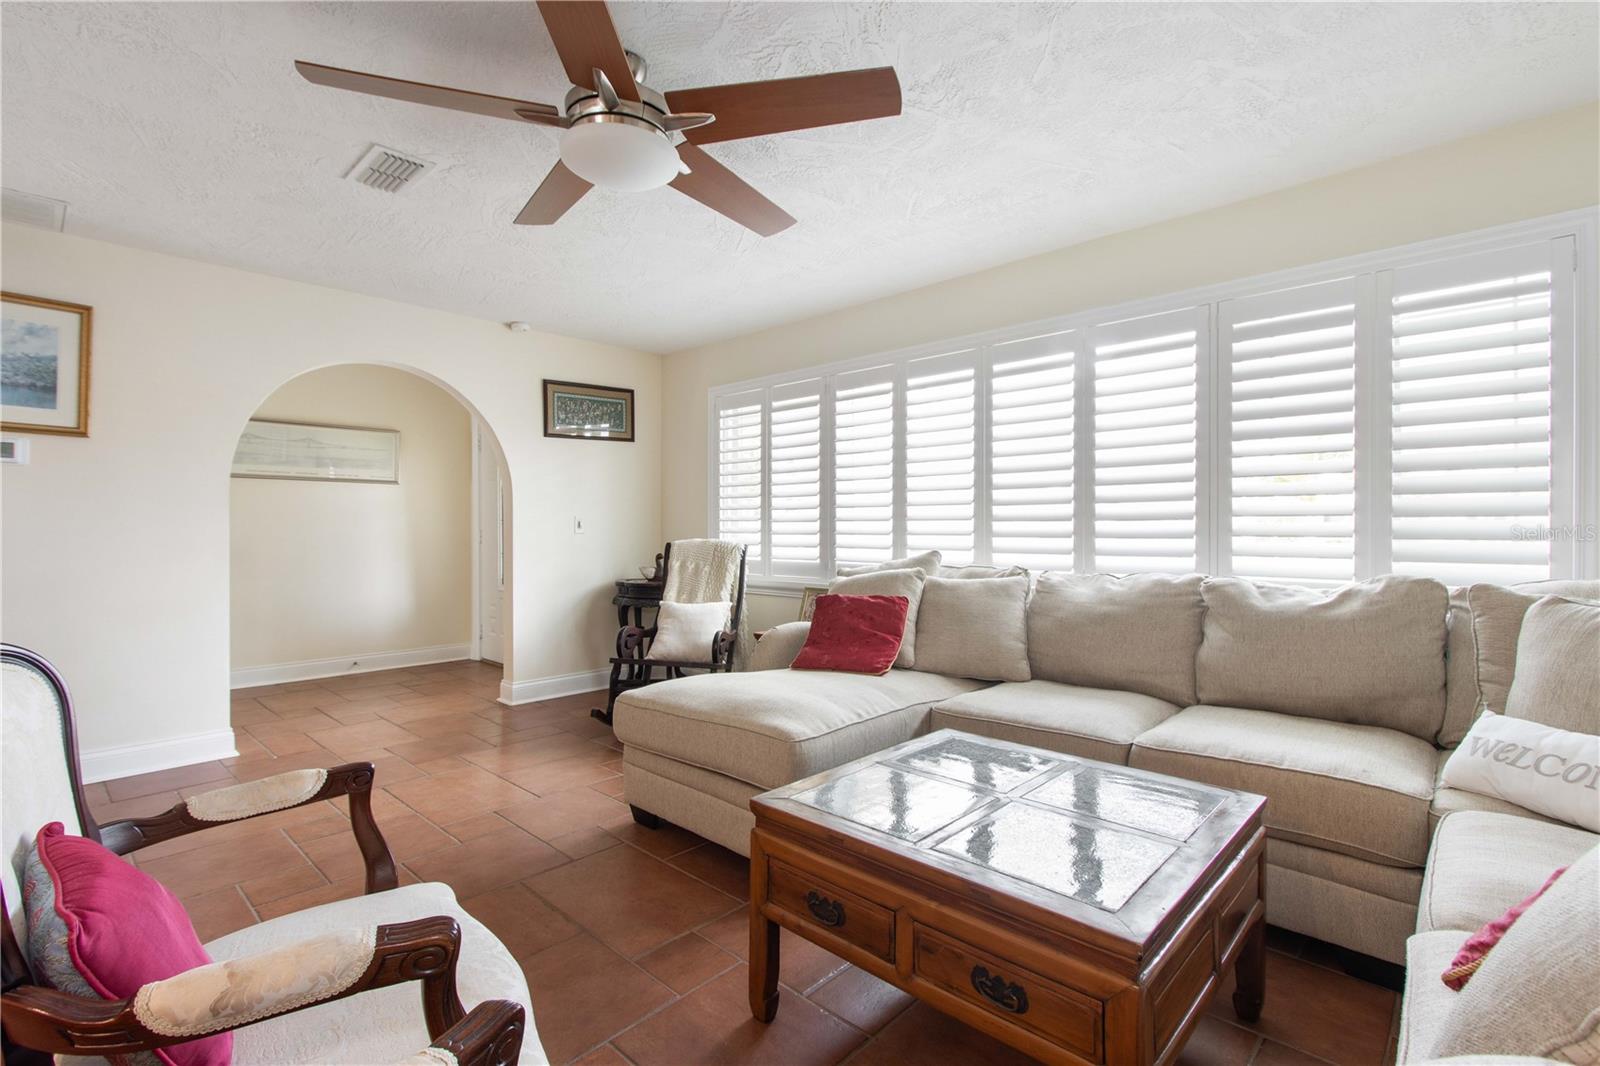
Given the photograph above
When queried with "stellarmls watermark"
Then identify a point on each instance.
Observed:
(1580, 533)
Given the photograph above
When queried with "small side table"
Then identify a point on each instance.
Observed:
(635, 596)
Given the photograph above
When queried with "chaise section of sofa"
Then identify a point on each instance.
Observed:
(696, 749)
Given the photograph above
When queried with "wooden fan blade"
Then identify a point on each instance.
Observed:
(560, 189)
(727, 194)
(757, 108)
(586, 41)
(417, 92)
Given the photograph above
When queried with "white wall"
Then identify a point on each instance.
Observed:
(1518, 172)
(115, 547)
(326, 570)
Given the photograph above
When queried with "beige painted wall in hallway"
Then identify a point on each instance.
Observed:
(325, 569)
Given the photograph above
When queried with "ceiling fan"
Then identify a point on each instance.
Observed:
(619, 133)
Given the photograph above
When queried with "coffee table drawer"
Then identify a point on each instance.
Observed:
(836, 911)
(1019, 996)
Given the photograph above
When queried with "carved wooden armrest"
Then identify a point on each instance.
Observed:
(631, 641)
(722, 648)
(229, 995)
(267, 796)
(490, 1035)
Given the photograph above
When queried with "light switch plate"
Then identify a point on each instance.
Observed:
(13, 451)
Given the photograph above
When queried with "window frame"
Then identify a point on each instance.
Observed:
(1575, 401)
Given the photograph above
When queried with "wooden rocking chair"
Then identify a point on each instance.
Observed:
(632, 667)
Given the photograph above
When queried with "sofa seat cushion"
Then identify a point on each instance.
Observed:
(384, 1025)
(1092, 723)
(777, 726)
(1355, 789)
(1483, 862)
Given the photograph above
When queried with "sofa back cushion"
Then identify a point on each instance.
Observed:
(907, 583)
(980, 570)
(1557, 680)
(976, 629)
(1137, 633)
(1497, 614)
(927, 562)
(1370, 653)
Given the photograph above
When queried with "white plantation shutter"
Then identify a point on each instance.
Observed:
(863, 466)
(1147, 442)
(941, 455)
(795, 456)
(1470, 342)
(1031, 429)
(1288, 400)
(741, 471)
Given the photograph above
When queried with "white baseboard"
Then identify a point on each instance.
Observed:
(548, 688)
(105, 764)
(310, 669)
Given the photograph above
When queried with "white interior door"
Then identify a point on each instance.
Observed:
(491, 553)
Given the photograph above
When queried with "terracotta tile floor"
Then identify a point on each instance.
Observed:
(633, 941)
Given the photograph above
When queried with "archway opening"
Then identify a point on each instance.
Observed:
(369, 532)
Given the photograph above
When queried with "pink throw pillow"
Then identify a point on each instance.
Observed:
(96, 924)
(1476, 949)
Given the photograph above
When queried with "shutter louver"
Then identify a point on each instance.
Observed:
(795, 458)
(1146, 443)
(1471, 403)
(863, 466)
(1031, 428)
(941, 456)
(741, 472)
(1288, 364)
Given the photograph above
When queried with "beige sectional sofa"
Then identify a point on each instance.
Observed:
(1340, 706)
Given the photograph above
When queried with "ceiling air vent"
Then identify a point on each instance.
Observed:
(387, 170)
(33, 210)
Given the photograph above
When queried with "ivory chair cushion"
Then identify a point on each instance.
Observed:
(976, 629)
(1536, 992)
(1557, 677)
(1370, 653)
(904, 582)
(384, 1025)
(685, 631)
(38, 790)
(1139, 632)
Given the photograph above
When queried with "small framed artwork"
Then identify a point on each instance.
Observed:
(587, 412)
(297, 451)
(808, 601)
(44, 366)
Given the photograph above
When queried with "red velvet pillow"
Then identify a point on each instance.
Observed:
(854, 634)
(97, 925)
(1476, 949)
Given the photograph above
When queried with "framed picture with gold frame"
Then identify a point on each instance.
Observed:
(44, 365)
(587, 412)
(808, 601)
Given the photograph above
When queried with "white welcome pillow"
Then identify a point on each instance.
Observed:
(1548, 770)
(684, 631)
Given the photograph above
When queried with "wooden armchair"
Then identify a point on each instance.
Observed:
(374, 979)
(634, 667)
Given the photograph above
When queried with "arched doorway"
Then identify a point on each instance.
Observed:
(361, 536)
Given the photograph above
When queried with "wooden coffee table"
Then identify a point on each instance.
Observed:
(1077, 910)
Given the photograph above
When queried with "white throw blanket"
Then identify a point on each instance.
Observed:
(706, 571)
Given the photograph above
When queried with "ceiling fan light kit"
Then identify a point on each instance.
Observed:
(619, 133)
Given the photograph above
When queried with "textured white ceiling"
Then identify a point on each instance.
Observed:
(183, 127)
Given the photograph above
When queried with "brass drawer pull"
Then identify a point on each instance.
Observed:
(1009, 997)
(827, 911)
